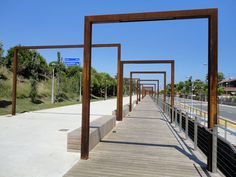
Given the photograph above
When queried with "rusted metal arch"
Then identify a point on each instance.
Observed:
(138, 88)
(155, 72)
(145, 89)
(15, 61)
(144, 86)
(210, 14)
(138, 99)
(158, 84)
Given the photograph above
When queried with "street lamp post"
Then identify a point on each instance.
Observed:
(205, 99)
(53, 78)
(190, 78)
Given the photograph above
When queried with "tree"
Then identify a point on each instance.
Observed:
(25, 63)
(180, 87)
(1, 53)
(199, 88)
(220, 76)
(60, 71)
(220, 90)
(34, 78)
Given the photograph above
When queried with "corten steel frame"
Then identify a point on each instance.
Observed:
(210, 14)
(144, 86)
(15, 62)
(138, 86)
(147, 89)
(138, 99)
(158, 84)
(155, 72)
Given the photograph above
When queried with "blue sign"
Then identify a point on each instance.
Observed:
(71, 61)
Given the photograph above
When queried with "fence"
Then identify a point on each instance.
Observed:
(227, 128)
(224, 153)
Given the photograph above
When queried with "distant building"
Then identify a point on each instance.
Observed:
(229, 86)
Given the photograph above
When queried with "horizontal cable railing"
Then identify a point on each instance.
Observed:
(227, 128)
(224, 153)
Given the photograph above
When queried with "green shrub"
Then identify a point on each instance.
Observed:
(45, 88)
(5, 88)
(23, 89)
(60, 97)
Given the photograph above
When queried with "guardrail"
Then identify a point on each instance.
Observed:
(227, 127)
(203, 114)
(224, 153)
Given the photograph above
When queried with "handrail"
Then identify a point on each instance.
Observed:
(225, 122)
(223, 125)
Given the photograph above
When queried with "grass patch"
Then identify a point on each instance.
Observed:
(25, 105)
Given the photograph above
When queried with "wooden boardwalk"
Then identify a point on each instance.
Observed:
(143, 144)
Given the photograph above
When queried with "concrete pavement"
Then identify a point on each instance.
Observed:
(33, 144)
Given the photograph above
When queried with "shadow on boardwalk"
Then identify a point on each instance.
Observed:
(143, 144)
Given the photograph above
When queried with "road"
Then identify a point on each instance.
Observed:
(225, 111)
(34, 144)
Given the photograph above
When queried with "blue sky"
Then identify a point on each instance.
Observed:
(44, 22)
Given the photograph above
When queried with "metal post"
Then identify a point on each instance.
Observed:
(176, 116)
(14, 80)
(186, 126)
(195, 132)
(168, 110)
(225, 129)
(190, 108)
(80, 86)
(214, 149)
(119, 113)
(130, 91)
(172, 116)
(137, 90)
(165, 89)
(212, 79)
(86, 90)
(172, 83)
(52, 100)
(180, 120)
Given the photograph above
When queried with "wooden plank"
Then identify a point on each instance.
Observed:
(143, 144)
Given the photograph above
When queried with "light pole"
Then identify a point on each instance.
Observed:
(80, 86)
(191, 89)
(53, 78)
(205, 64)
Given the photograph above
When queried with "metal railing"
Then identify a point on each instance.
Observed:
(223, 152)
(226, 127)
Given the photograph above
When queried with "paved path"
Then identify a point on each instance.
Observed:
(34, 144)
(143, 144)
